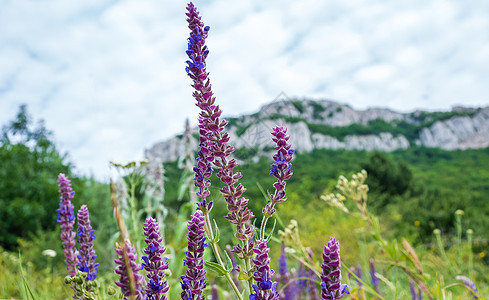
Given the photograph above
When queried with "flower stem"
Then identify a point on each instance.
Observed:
(216, 250)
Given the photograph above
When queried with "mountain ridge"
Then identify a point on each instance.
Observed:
(316, 124)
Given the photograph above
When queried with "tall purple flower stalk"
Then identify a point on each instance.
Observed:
(311, 283)
(374, 279)
(289, 287)
(331, 287)
(415, 295)
(264, 289)
(197, 52)
(86, 235)
(302, 280)
(154, 264)
(66, 219)
(281, 168)
(194, 282)
(213, 140)
(128, 267)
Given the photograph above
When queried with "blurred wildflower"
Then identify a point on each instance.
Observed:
(49, 253)
(373, 276)
(289, 286)
(130, 281)
(154, 177)
(66, 219)
(354, 189)
(471, 285)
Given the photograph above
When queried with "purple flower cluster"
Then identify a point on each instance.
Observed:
(127, 255)
(281, 168)
(264, 289)
(194, 282)
(66, 219)
(154, 264)
(86, 235)
(331, 287)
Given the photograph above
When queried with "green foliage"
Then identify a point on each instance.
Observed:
(298, 105)
(29, 165)
(317, 110)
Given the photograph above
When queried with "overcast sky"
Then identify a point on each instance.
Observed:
(108, 76)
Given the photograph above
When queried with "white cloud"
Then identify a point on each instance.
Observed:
(108, 76)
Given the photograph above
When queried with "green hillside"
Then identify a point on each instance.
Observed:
(418, 185)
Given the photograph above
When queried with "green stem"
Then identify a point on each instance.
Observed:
(215, 249)
(410, 274)
(371, 290)
(263, 226)
(248, 268)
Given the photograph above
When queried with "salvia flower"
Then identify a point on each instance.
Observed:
(415, 295)
(311, 283)
(128, 267)
(86, 235)
(213, 140)
(66, 219)
(194, 282)
(471, 285)
(359, 273)
(374, 279)
(281, 168)
(154, 263)
(289, 290)
(264, 287)
(331, 287)
(197, 52)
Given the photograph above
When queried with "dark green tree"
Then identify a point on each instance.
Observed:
(29, 165)
(386, 179)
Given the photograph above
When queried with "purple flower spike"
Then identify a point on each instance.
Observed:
(281, 168)
(264, 288)
(331, 287)
(86, 256)
(213, 140)
(124, 281)
(471, 285)
(289, 290)
(375, 280)
(66, 219)
(197, 52)
(154, 264)
(194, 282)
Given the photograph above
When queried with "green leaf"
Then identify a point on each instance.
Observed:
(229, 262)
(243, 276)
(27, 289)
(216, 268)
(216, 232)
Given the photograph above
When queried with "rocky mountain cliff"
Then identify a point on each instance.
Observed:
(327, 124)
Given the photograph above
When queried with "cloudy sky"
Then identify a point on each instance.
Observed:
(108, 76)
